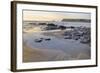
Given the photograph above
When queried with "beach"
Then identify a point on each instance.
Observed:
(39, 55)
(54, 45)
(36, 54)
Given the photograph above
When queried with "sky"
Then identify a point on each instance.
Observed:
(29, 15)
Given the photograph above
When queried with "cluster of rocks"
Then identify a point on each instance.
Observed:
(79, 33)
(52, 26)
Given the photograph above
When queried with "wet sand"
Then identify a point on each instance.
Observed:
(37, 55)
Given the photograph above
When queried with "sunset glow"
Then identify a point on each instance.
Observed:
(53, 16)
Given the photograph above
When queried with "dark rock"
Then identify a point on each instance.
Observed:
(38, 40)
(47, 39)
